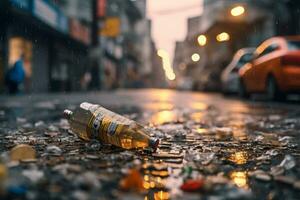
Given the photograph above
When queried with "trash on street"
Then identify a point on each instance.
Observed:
(91, 121)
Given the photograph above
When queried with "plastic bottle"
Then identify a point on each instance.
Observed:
(91, 121)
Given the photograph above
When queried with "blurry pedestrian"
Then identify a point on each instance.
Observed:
(85, 80)
(15, 76)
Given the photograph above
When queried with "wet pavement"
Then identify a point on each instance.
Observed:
(211, 148)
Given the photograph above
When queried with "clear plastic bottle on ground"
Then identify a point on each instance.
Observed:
(91, 121)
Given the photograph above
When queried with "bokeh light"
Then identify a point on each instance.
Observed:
(222, 37)
(237, 11)
(195, 57)
(201, 40)
(169, 72)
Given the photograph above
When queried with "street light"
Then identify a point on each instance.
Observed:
(162, 53)
(195, 57)
(201, 40)
(169, 72)
(222, 37)
(237, 11)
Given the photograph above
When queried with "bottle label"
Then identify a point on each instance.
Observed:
(107, 122)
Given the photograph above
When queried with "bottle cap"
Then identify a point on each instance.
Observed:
(67, 114)
(153, 143)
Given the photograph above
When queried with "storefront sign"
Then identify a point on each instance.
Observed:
(101, 8)
(63, 23)
(21, 4)
(45, 12)
(79, 31)
(111, 27)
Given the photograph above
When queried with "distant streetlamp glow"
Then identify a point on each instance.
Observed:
(169, 73)
(237, 11)
(162, 53)
(195, 57)
(201, 40)
(222, 37)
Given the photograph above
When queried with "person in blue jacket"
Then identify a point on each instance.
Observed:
(15, 76)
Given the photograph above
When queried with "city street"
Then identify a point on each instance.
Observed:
(211, 147)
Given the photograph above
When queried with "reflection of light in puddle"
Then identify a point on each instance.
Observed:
(202, 130)
(239, 107)
(240, 134)
(239, 179)
(197, 116)
(239, 158)
(158, 106)
(198, 106)
(146, 178)
(162, 173)
(164, 117)
(146, 185)
(161, 195)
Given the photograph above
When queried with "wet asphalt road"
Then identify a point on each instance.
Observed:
(239, 149)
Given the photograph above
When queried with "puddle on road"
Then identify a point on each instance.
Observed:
(239, 158)
(240, 179)
(163, 117)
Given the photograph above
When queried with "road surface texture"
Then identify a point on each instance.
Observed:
(211, 147)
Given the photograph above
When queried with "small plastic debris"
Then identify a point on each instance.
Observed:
(285, 140)
(33, 175)
(285, 179)
(40, 124)
(263, 177)
(297, 185)
(88, 180)
(274, 117)
(3, 174)
(277, 170)
(17, 190)
(22, 152)
(272, 152)
(288, 162)
(3, 170)
(53, 150)
(192, 185)
(167, 155)
(260, 175)
(21, 120)
(133, 181)
(187, 171)
(92, 157)
(51, 134)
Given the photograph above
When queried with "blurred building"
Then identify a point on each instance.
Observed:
(143, 29)
(125, 45)
(186, 69)
(226, 33)
(157, 75)
(77, 44)
(55, 47)
(76, 64)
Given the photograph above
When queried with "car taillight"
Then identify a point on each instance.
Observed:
(291, 59)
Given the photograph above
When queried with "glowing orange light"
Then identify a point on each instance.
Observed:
(201, 40)
(169, 73)
(222, 37)
(237, 11)
(195, 57)
(239, 179)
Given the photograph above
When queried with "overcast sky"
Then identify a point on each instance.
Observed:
(169, 20)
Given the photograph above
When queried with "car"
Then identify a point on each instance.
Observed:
(274, 70)
(230, 77)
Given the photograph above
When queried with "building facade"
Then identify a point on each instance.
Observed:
(42, 32)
